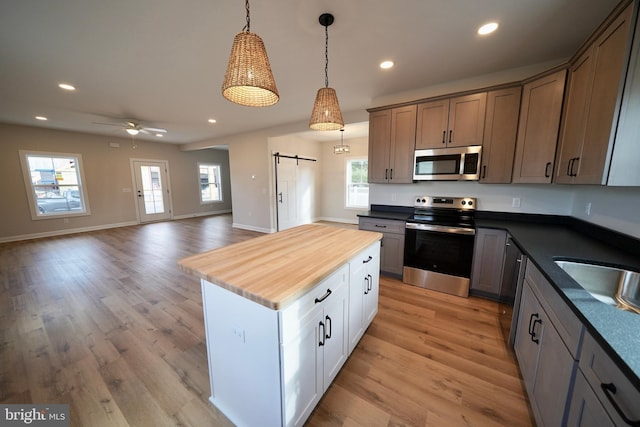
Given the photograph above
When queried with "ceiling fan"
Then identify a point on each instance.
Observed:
(134, 127)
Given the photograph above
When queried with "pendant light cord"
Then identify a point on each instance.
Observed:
(326, 56)
(248, 26)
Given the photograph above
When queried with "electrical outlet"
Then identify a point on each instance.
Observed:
(587, 208)
(515, 202)
(394, 197)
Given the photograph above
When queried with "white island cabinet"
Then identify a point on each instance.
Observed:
(271, 357)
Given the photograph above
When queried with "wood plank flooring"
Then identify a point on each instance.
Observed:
(105, 322)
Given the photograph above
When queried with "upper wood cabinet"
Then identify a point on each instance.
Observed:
(455, 122)
(593, 95)
(500, 131)
(540, 112)
(392, 135)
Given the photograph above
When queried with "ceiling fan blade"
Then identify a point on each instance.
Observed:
(109, 124)
(155, 129)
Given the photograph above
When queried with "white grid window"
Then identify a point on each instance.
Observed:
(210, 185)
(357, 186)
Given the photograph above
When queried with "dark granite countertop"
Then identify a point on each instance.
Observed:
(397, 213)
(543, 242)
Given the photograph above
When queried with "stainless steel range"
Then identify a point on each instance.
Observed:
(439, 239)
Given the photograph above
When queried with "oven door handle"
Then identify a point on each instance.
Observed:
(440, 228)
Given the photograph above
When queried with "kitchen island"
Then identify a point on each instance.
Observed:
(282, 313)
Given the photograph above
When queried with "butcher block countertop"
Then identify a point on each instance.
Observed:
(276, 269)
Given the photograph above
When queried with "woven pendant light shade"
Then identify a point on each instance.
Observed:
(326, 114)
(248, 80)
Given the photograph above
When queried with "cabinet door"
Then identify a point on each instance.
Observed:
(575, 113)
(466, 120)
(553, 375)
(499, 142)
(335, 346)
(302, 369)
(392, 253)
(488, 261)
(432, 125)
(373, 285)
(357, 287)
(525, 347)
(610, 51)
(538, 129)
(379, 146)
(403, 141)
(586, 410)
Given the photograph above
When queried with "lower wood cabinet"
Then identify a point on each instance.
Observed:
(603, 396)
(546, 345)
(488, 262)
(392, 244)
(271, 367)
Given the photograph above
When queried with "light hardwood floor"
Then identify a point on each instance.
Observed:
(105, 322)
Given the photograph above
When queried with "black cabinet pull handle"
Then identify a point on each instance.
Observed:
(324, 297)
(391, 173)
(609, 390)
(322, 338)
(366, 291)
(546, 170)
(386, 173)
(532, 326)
(328, 320)
(569, 167)
(484, 171)
(575, 160)
(444, 136)
(364, 261)
(450, 136)
(533, 336)
(379, 226)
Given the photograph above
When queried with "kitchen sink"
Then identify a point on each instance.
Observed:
(614, 286)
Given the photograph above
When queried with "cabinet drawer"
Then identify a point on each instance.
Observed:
(600, 370)
(293, 317)
(382, 225)
(567, 324)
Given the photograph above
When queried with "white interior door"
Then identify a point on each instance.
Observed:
(286, 197)
(152, 190)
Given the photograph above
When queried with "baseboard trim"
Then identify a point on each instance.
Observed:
(252, 228)
(64, 232)
(195, 215)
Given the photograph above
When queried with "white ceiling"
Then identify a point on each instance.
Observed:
(162, 62)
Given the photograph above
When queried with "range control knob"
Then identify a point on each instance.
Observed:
(418, 200)
(424, 200)
(464, 202)
(470, 202)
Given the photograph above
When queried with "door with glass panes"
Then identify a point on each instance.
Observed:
(152, 190)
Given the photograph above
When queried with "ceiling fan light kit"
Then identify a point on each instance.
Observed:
(326, 114)
(249, 80)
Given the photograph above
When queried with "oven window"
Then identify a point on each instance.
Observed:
(445, 253)
(438, 165)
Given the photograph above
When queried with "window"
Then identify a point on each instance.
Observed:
(210, 188)
(54, 184)
(357, 185)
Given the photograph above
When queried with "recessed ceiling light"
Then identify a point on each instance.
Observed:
(488, 28)
(385, 65)
(212, 121)
(66, 86)
(43, 118)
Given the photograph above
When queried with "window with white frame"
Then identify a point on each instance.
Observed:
(210, 188)
(357, 183)
(54, 183)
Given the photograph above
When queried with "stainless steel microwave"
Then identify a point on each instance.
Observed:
(447, 164)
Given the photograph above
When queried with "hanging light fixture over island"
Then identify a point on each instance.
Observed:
(326, 114)
(249, 80)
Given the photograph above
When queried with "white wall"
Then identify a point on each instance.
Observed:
(617, 208)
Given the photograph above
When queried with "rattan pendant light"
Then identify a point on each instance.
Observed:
(249, 80)
(326, 113)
